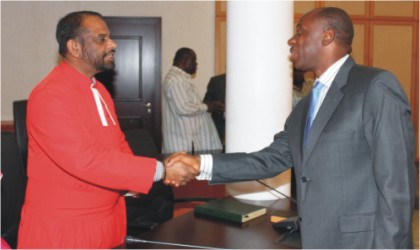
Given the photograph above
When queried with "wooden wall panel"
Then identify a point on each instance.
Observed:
(392, 51)
(360, 45)
(390, 9)
(353, 8)
(221, 8)
(301, 7)
(220, 45)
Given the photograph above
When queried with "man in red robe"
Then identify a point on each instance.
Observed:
(79, 161)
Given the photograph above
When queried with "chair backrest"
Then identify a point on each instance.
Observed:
(19, 116)
(13, 186)
(141, 143)
(157, 206)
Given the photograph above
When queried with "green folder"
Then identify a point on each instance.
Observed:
(230, 209)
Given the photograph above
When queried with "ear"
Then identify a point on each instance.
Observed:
(329, 37)
(181, 63)
(74, 48)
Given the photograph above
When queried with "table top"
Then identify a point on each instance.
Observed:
(196, 231)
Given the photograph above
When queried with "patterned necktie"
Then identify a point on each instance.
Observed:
(314, 106)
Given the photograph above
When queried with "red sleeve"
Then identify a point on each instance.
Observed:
(61, 127)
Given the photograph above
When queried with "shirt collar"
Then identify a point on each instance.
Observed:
(93, 82)
(180, 71)
(328, 76)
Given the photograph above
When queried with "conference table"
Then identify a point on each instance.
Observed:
(198, 231)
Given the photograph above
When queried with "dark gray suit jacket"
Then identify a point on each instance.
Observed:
(356, 176)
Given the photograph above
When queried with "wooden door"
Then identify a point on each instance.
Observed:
(135, 82)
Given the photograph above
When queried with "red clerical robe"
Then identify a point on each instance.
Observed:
(77, 167)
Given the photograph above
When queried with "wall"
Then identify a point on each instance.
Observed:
(29, 48)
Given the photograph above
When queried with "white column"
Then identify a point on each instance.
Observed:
(259, 84)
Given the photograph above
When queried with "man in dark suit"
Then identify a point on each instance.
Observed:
(216, 91)
(355, 170)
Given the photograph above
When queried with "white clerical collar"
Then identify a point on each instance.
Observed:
(99, 101)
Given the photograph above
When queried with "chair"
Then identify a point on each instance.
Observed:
(19, 116)
(13, 187)
(156, 207)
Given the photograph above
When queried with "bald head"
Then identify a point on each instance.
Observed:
(322, 36)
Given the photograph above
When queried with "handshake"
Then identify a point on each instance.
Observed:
(181, 168)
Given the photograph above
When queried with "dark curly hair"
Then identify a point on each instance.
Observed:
(70, 27)
(182, 54)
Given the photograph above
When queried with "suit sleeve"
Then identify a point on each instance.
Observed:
(389, 131)
(265, 163)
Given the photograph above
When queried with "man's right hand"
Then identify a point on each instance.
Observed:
(215, 106)
(181, 168)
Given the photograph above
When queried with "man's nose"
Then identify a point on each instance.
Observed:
(291, 41)
(112, 44)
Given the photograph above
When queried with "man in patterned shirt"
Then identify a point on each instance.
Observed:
(187, 124)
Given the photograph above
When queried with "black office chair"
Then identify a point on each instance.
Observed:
(156, 207)
(13, 187)
(19, 116)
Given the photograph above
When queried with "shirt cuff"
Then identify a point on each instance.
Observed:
(206, 167)
(205, 107)
(160, 171)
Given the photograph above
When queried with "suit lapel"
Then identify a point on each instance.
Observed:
(328, 106)
(296, 129)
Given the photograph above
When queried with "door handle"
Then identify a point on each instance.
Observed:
(149, 107)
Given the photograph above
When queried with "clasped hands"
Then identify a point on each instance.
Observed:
(215, 106)
(181, 168)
